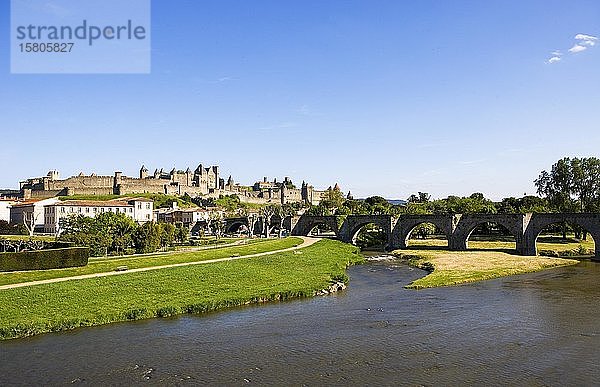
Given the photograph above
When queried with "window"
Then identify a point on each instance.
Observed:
(147, 206)
(62, 209)
(139, 206)
(95, 210)
(147, 216)
(87, 209)
(78, 209)
(130, 210)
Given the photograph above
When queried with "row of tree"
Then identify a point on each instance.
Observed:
(116, 233)
(336, 204)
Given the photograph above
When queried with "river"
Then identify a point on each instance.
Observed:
(534, 329)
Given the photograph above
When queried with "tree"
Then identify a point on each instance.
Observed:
(282, 212)
(85, 231)
(215, 224)
(167, 234)
(120, 227)
(572, 185)
(29, 220)
(252, 219)
(333, 199)
(147, 238)
(523, 205)
(557, 186)
(422, 197)
(181, 232)
(267, 213)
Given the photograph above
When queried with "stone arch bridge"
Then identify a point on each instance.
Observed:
(457, 228)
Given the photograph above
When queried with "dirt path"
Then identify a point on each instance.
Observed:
(306, 241)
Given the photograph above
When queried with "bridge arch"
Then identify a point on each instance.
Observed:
(307, 223)
(234, 226)
(407, 223)
(538, 222)
(513, 223)
(354, 223)
(421, 230)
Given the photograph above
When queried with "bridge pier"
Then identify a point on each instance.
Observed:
(457, 243)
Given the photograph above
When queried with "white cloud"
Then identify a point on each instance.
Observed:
(577, 48)
(585, 37)
(582, 43)
(554, 59)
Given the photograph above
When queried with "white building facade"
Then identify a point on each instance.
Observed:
(31, 212)
(5, 205)
(138, 209)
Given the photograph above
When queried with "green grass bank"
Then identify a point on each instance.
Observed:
(457, 267)
(195, 289)
(102, 265)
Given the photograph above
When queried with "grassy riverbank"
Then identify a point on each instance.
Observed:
(457, 267)
(165, 292)
(545, 243)
(102, 265)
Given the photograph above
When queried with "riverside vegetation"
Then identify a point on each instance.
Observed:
(487, 260)
(167, 292)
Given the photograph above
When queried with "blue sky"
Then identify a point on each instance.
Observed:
(383, 97)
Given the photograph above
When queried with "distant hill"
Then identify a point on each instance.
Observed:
(395, 202)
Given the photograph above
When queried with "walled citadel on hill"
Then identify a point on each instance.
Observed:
(204, 182)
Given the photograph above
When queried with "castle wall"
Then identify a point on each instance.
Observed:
(203, 181)
(46, 194)
(125, 189)
(81, 182)
(69, 191)
(292, 196)
(194, 191)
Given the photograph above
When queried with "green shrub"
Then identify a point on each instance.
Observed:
(167, 311)
(44, 259)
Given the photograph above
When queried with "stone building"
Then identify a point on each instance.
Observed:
(187, 216)
(202, 181)
(5, 205)
(199, 182)
(139, 209)
(31, 212)
(285, 192)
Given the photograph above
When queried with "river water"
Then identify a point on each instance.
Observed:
(534, 329)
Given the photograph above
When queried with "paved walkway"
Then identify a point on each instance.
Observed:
(306, 241)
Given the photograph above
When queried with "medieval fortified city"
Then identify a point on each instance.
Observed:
(332, 193)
